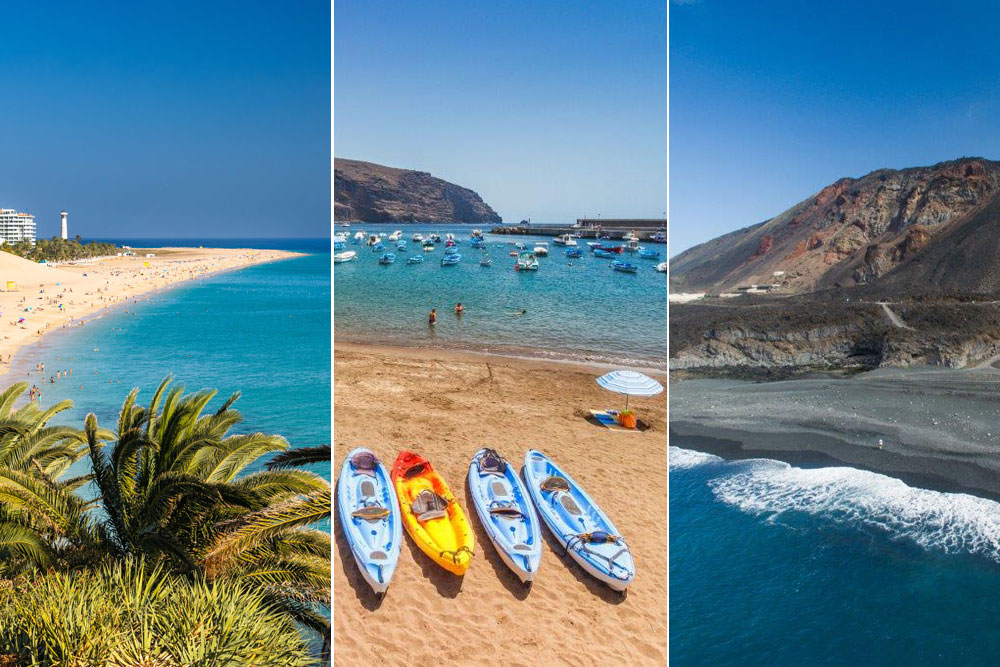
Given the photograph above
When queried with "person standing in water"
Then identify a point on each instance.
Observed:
(459, 308)
(433, 317)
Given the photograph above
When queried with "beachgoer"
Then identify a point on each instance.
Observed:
(459, 308)
(433, 317)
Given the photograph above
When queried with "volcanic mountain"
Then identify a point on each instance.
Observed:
(906, 231)
(368, 192)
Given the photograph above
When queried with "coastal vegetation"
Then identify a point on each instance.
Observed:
(60, 250)
(176, 508)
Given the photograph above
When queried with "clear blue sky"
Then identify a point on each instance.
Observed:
(552, 110)
(167, 119)
(771, 101)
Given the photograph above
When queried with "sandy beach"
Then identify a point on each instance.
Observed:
(448, 404)
(37, 299)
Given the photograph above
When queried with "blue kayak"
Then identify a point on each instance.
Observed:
(506, 513)
(577, 523)
(369, 515)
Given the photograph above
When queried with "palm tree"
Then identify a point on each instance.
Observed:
(43, 521)
(176, 486)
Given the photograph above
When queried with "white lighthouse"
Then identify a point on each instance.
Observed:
(65, 229)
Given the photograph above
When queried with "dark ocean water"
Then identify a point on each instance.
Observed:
(772, 564)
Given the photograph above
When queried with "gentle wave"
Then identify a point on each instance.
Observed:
(952, 523)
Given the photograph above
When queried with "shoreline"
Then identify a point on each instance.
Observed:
(460, 353)
(125, 280)
(938, 427)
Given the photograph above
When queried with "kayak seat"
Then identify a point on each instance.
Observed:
(428, 505)
(367, 489)
(554, 484)
(506, 509)
(570, 505)
(378, 555)
(364, 463)
(498, 488)
(491, 463)
(371, 513)
(521, 547)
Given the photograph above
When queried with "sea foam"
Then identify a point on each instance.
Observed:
(952, 523)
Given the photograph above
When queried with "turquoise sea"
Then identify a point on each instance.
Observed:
(772, 564)
(576, 309)
(263, 330)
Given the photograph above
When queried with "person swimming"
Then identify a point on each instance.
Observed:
(518, 313)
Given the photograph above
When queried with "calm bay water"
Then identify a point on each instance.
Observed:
(772, 564)
(263, 330)
(577, 309)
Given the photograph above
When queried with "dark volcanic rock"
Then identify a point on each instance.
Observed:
(369, 192)
(915, 230)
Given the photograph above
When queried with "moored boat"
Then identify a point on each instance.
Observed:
(346, 256)
(415, 259)
(417, 238)
(626, 267)
(541, 249)
(387, 258)
(598, 252)
(646, 253)
(662, 267)
(526, 261)
(428, 247)
(573, 253)
(486, 261)
(451, 260)
(564, 239)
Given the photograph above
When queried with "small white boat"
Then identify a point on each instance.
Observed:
(632, 245)
(449, 237)
(344, 256)
(345, 224)
(396, 235)
(417, 238)
(476, 234)
(373, 239)
(526, 262)
(662, 267)
(631, 237)
(359, 237)
(541, 250)
(565, 239)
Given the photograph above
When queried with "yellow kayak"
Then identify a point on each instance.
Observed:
(431, 515)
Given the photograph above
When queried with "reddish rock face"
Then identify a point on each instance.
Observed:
(852, 231)
(368, 192)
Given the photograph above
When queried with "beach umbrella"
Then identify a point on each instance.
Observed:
(630, 383)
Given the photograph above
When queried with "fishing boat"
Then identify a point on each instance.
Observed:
(520, 246)
(476, 234)
(414, 259)
(387, 258)
(345, 224)
(358, 237)
(346, 256)
(573, 253)
(372, 239)
(477, 243)
(450, 243)
(401, 245)
(486, 261)
(646, 253)
(451, 260)
(610, 248)
(396, 235)
(513, 253)
(631, 236)
(662, 267)
(378, 247)
(565, 239)
(417, 238)
(526, 261)
(626, 267)
(593, 244)
(428, 247)
(632, 245)
(660, 236)
(449, 236)
(451, 250)
(435, 238)
(598, 252)
(541, 249)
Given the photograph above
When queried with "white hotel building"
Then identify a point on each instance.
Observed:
(16, 226)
